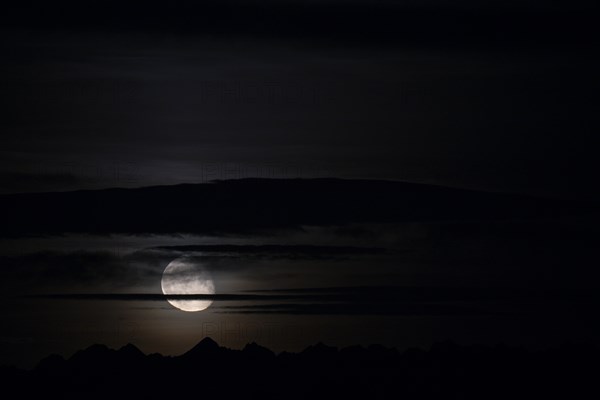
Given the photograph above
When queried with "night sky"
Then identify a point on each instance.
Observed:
(347, 171)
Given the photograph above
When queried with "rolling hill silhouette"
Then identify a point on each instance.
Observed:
(248, 205)
(447, 370)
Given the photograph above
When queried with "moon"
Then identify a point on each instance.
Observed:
(185, 275)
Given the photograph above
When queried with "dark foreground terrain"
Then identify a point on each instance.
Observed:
(210, 371)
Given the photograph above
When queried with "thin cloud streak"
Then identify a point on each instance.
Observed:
(391, 301)
(312, 251)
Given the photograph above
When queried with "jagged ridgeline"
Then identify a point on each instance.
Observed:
(208, 370)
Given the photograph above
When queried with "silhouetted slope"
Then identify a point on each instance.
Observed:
(445, 371)
(258, 204)
(255, 353)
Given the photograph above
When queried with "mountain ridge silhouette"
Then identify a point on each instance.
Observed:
(319, 371)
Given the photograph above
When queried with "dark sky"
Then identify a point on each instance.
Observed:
(499, 97)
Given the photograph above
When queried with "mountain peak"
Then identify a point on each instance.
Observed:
(255, 350)
(208, 342)
(130, 349)
(319, 350)
(205, 346)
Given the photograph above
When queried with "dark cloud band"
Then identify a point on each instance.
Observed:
(267, 205)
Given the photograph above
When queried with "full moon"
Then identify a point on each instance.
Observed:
(184, 275)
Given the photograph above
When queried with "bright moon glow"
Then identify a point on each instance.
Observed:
(186, 276)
